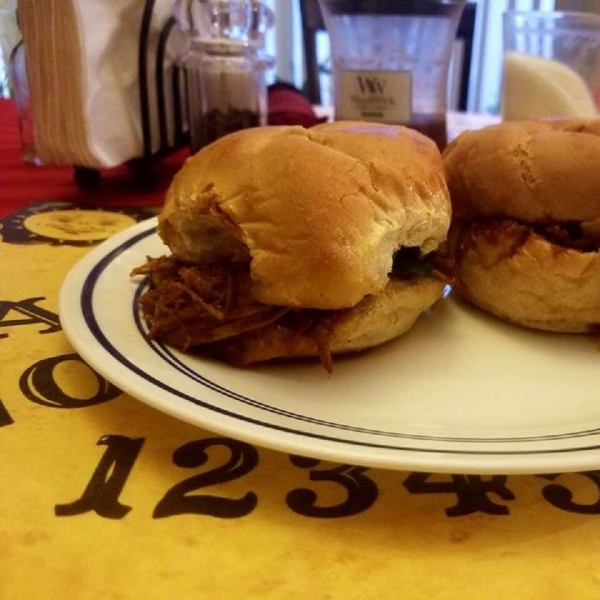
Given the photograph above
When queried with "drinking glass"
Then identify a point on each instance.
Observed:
(551, 65)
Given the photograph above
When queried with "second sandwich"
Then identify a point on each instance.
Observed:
(526, 199)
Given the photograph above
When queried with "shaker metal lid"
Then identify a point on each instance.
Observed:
(245, 20)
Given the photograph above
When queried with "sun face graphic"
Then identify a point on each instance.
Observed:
(77, 225)
(62, 223)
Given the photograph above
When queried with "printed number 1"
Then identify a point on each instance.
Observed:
(108, 480)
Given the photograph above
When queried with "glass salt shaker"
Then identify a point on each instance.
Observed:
(227, 88)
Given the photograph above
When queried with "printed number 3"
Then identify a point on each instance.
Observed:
(361, 491)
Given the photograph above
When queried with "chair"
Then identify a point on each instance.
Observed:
(312, 23)
(465, 32)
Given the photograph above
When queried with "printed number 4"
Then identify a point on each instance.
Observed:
(471, 492)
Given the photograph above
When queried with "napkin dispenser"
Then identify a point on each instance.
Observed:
(105, 85)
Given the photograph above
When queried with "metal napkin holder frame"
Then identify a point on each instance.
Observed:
(140, 167)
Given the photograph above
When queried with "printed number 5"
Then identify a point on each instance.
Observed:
(562, 497)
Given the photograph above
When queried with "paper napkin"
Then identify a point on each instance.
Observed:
(82, 63)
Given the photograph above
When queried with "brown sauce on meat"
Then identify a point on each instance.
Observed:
(508, 236)
(190, 306)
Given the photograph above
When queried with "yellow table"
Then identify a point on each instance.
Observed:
(104, 498)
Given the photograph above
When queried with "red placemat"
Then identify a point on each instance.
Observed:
(22, 184)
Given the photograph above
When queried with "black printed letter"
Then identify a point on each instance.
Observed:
(33, 314)
(39, 385)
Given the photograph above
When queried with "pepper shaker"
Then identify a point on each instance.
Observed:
(225, 65)
(227, 89)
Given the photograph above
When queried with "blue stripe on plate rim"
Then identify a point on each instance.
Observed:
(162, 351)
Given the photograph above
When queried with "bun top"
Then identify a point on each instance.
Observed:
(532, 171)
(318, 212)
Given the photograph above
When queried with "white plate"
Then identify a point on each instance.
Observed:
(461, 392)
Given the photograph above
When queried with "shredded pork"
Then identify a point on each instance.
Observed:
(583, 237)
(212, 306)
(187, 306)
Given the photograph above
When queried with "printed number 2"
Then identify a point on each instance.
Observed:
(243, 458)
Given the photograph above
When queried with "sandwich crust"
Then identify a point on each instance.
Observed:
(318, 213)
(516, 274)
(526, 197)
(530, 171)
(373, 321)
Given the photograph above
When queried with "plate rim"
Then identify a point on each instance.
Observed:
(344, 451)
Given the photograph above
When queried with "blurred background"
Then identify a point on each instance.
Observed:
(9, 36)
(288, 39)
(131, 81)
(484, 71)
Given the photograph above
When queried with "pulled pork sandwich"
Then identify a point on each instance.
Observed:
(526, 202)
(288, 242)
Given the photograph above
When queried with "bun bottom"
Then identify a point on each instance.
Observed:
(516, 274)
(373, 321)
